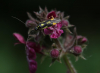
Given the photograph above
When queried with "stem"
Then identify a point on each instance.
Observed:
(69, 64)
(66, 60)
(58, 43)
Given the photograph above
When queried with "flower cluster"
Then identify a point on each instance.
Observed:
(54, 41)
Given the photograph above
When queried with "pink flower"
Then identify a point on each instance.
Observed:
(19, 38)
(52, 13)
(54, 31)
(54, 53)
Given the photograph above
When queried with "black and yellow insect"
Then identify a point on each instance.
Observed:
(48, 23)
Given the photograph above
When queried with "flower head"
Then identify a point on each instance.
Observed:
(50, 25)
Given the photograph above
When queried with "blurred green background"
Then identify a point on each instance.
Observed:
(84, 14)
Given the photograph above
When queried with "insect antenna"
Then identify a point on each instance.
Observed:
(18, 19)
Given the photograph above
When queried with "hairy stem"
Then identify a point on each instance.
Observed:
(69, 65)
(58, 43)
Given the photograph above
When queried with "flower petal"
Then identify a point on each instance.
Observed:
(47, 31)
(32, 66)
(54, 35)
(19, 38)
(59, 25)
(30, 52)
(35, 46)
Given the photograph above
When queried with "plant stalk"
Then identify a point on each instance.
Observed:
(69, 65)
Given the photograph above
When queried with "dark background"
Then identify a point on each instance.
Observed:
(84, 14)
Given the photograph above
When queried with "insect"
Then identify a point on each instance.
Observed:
(48, 23)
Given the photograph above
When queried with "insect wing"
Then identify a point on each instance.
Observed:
(55, 21)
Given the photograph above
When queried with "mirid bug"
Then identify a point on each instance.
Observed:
(48, 23)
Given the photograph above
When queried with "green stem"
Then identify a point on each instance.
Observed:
(69, 64)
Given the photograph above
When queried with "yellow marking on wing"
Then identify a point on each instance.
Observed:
(54, 23)
(48, 22)
(42, 24)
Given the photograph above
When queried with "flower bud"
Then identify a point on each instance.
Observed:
(65, 22)
(30, 52)
(32, 66)
(77, 49)
(79, 37)
(54, 53)
(84, 40)
(30, 23)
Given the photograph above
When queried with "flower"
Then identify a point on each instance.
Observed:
(19, 38)
(51, 14)
(54, 31)
(54, 53)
